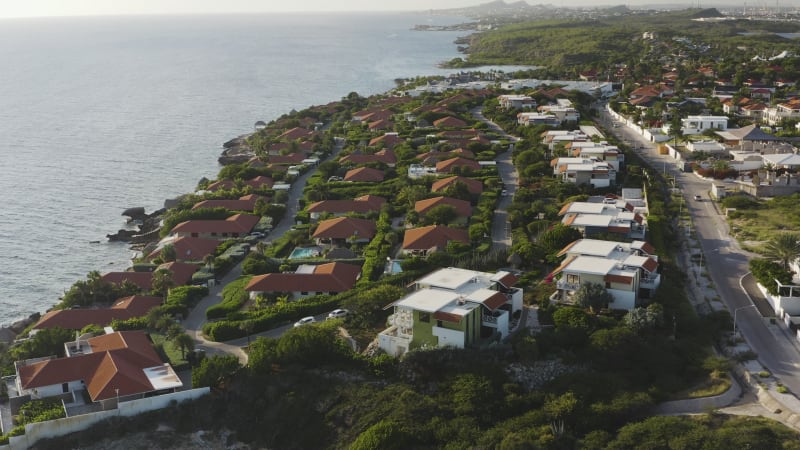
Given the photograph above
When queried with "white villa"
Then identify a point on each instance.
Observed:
(453, 307)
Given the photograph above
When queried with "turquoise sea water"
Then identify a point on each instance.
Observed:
(101, 114)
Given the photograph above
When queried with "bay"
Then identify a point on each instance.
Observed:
(104, 113)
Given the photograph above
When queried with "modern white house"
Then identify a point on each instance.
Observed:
(516, 101)
(628, 271)
(592, 171)
(612, 216)
(453, 307)
(699, 124)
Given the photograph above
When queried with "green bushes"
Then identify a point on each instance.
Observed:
(766, 272)
(233, 298)
(181, 298)
(271, 317)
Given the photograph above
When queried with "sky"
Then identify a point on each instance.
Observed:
(37, 8)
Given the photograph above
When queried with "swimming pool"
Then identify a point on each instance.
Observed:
(305, 252)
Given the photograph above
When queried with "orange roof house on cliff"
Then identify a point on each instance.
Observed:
(117, 366)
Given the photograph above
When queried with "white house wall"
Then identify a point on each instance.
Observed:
(449, 338)
(622, 299)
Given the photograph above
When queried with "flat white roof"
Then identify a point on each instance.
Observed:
(586, 208)
(593, 247)
(591, 265)
(459, 310)
(592, 220)
(428, 300)
(481, 295)
(452, 278)
(635, 261)
(162, 377)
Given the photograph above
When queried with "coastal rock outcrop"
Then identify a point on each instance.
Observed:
(147, 226)
(236, 151)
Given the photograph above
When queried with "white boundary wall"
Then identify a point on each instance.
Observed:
(60, 427)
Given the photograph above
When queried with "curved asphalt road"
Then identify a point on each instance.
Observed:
(193, 324)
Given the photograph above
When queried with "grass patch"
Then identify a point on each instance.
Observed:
(710, 387)
(172, 352)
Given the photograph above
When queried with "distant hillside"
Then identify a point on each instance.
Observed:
(497, 8)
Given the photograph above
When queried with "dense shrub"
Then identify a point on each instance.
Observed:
(233, 298)
(766, 272)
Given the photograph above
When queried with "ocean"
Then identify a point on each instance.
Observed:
(99, 114)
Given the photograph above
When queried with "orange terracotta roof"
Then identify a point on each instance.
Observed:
(611, 278)
(190, 248)
(294, 133)
(364, 204)
(344, 228)
(77, 319)
(115, 367)
(447, 316)
(462, 207)
(449, 122)
(331, 277)
(473, 186)
(238, 223)
(651, 265)
(364, 174)
(448, 165)
(434, 236)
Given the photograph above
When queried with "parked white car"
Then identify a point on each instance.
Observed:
(305, 321)
(337, 313)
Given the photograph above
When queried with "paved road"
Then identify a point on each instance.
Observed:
(193, 324)
(501, 228)
(726, 264)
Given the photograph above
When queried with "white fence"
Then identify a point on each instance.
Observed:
(60, 427)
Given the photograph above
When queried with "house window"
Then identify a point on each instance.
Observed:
(195, 235)
(65, 387)
(608, 285)
(573, 278)
(424, 317)
(304, 293)
(439, 323)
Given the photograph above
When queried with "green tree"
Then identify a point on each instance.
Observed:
(184, 342)
(214, 371)
(168, 253)
(162, 281)
(593, 296)
(784, 248)
(440, 215)
(557, 237)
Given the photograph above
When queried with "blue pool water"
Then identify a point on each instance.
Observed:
(305, 252)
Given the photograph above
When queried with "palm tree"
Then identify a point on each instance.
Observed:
(784, 247)
(184, 342)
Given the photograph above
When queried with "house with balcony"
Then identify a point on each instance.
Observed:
(611, 216)
(516, 101)
(601, 151)
(597, 173)
(784, 110)
(628, 271)
(538, 118)
(453, 307)
(117, 366)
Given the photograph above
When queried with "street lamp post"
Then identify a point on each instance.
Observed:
(735, 311)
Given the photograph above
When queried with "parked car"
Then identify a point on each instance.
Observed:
(504, 193)
(697, 197)
(337, 313)
(305, 321)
